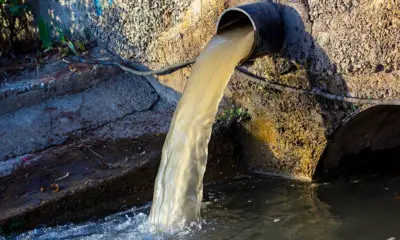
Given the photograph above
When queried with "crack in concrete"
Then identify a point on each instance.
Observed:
(150, 108)
(81, 134)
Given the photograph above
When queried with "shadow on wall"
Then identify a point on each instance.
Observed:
(303, 49)
(301, 124)
(369, 142)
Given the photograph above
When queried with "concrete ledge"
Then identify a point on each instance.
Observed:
(54, 121)
(55, 79)
(151, 122)
(28, 92)
(96, 178)
(77, 102)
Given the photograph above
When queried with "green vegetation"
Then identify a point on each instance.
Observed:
(44, 33)
(354, 107)
(234, 114)
(15, 17)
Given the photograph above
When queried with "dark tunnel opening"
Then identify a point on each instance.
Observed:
(368, 144)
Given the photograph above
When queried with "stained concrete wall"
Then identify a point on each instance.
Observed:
(124, 106)
(77, 103)
(326, 48)
(53, 121)
(343, 47)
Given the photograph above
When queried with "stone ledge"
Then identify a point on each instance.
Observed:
(54, 121)
(98, 178)
(28, 92)
(56, 79)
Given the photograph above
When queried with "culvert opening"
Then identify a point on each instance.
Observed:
(367, 144)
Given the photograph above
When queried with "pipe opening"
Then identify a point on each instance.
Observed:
(367, 145)
(233, 18)
(266, 21)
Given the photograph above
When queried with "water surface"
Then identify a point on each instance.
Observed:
(265, 208)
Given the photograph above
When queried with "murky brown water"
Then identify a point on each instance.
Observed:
(266, 208)
(179, 184)
(363, 208)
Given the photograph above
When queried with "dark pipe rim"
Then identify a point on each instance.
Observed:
(234, 9)
(249, 18)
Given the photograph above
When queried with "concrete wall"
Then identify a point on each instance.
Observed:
(126, 26)
(327, 48)
(70, 103)
(342, 47)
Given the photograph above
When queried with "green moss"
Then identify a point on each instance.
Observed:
(265, 67)
(290, 125)
(294, 136)
(296, 79)
(264, 130)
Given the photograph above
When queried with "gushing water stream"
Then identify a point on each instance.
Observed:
(179, 185)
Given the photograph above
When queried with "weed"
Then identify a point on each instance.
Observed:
(44, 33)
(234, 114)
(14, 19)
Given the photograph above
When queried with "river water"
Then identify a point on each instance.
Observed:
(265, 208)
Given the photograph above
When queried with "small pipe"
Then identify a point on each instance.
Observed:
(267, 23)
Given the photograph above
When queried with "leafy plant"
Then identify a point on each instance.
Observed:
(14, 18)
(234, 114)
(72, 48)
(61, 36)
(354, 107)
(44, 33)
(80, 45)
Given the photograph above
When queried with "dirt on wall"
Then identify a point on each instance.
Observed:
(348, 48)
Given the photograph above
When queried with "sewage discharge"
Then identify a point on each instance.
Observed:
(245, 31)
(179, 184)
